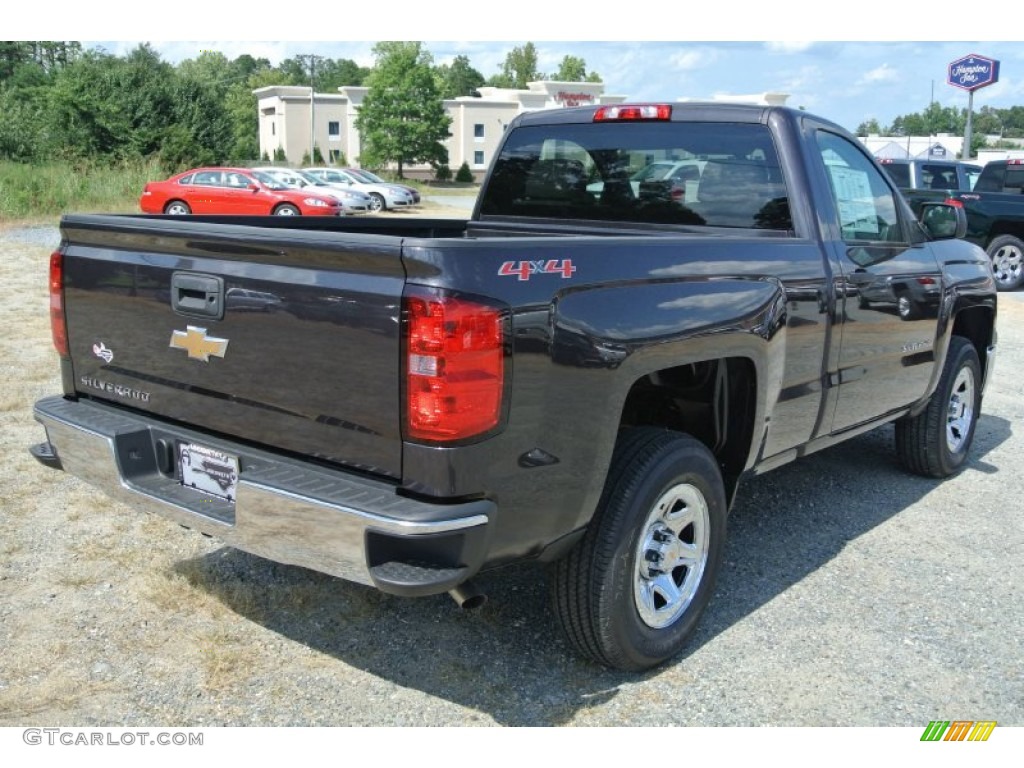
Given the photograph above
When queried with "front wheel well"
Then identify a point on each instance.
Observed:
(712, 400)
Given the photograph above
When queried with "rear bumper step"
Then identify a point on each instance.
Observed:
(286, 510)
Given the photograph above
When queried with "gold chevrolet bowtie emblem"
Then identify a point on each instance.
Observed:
(198, 345)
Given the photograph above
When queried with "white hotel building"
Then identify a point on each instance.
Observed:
(477, 122)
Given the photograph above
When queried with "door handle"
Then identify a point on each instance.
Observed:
(197, 295)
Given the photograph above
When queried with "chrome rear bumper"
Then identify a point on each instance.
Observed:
(286, 510)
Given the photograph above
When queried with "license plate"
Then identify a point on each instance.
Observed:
(207, 470)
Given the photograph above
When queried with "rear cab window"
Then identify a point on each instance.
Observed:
(898, 172)
(692, 173)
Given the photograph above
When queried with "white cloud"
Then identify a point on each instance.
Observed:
(881, 74)
(694, 58)
(789, 46)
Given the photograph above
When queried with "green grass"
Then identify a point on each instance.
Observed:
(33, 191)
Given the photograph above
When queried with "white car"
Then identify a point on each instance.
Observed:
(678, 172)
(374, 178)
(384, 196)
(352, 200)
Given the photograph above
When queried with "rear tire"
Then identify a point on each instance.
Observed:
(177, 208)
(629, 594)
(935, 443)
(1007, 254)
(908, 308)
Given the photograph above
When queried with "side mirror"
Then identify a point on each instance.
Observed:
(944, 221)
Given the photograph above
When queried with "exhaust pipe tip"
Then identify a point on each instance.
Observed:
(467, 596)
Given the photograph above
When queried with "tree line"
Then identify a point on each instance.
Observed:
(64, 103)
(988, 121)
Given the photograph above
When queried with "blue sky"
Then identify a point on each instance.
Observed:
(723, 53)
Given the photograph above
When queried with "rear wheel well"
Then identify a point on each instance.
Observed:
(1005, 228)
(976, 324)
(712, 400)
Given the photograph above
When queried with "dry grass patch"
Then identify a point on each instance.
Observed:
(226, 658)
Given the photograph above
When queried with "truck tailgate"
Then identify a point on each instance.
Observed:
(286, 338)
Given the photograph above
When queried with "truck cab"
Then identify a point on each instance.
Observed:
(931, 174)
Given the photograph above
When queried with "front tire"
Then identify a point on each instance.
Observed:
(287, 210)
(377, 203)
(935, 443)
(632, 590)
(1007, 254)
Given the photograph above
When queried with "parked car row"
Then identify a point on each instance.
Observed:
(383, 195)
(275, 191)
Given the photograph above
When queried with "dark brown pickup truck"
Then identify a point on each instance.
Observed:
(581, 374)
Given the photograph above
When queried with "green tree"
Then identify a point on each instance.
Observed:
(201, 131)
(458, 78)
(332, 74)
(24, 129)
(402, 119)
(327, 74)
(573, 69)
(935, 119)
(869, 127)
(43, 56)
(520, 68)
(88, 116)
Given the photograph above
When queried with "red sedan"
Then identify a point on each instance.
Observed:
(232, 191)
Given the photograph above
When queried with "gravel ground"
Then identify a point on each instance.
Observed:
(852, 594)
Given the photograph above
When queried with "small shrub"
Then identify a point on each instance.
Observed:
(464, 174)
(443, 172)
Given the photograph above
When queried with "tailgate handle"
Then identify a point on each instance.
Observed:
(197, 295)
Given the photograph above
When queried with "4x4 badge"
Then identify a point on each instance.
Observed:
(198, 345)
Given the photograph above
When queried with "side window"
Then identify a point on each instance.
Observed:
(865, 203)
(207, 178)
(1014, 179)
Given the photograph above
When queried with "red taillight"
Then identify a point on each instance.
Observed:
(454, 366)
(954, 202)
(633, 112)
(58, 326)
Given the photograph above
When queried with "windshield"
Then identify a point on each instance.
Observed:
(711, 174)
(311, 179)
(269, 181)
(366, 176)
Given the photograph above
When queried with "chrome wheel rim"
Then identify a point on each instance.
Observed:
(960, 413)
(1006, 264)
(177, 209)
(904, 306)
(671, 555)
(286, 211)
